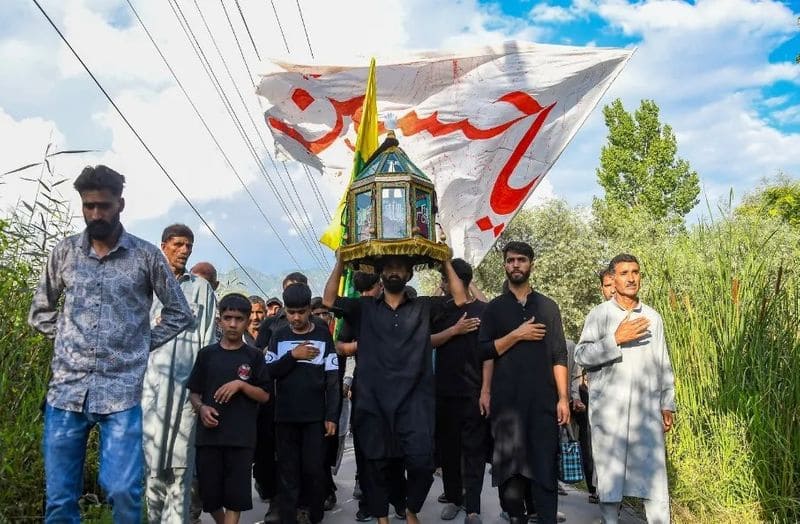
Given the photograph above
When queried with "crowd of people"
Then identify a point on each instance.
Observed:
(198, 399)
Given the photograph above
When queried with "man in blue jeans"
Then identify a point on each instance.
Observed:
(106, 278)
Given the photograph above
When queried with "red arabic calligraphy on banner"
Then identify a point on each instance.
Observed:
(503, 200)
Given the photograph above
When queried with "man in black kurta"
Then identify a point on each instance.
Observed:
(522, 331)
(394, 416)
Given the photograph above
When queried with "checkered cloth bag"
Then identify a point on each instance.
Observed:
(570, 465)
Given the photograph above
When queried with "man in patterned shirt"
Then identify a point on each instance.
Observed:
(107, 279)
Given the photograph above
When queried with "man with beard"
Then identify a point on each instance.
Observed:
(366, 285)
(107, 279)
(521, 331)
(257, 315)
(631, 396)
(394, 415)
(169, 420)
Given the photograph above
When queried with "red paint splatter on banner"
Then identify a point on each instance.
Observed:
(302, 98)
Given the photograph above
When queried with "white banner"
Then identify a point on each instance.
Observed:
(486, 126)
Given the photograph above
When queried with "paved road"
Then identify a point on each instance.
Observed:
(575, 505)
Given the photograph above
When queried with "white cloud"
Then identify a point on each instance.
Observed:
(775, 101)
(546, 13)
(790, 115)
(704, 63)
(122, 57)
(27, 139)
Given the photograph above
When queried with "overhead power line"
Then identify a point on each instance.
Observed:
(280, 26)
(247, 28)
(205, 62)
(210, 132)
(305, 30)
(315, 190)
(314, 187)
(146, 147)
(306, 227)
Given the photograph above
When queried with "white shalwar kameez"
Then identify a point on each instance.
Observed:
(629, 386)
(168, 418)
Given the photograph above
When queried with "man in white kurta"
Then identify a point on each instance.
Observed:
(631, 396)
(169, 421)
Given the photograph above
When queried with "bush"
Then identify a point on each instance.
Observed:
(24, 372)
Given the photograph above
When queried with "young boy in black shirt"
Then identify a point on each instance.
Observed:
(302, 359)
(228, 381)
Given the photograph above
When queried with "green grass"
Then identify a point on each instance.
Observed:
(24, 373)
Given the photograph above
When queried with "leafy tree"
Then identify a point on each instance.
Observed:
(778, 198)
(639, 166)
(568, 255)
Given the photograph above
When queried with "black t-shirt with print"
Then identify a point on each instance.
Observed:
(216, 366)
(305, 390)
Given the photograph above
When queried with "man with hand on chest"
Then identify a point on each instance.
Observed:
(521, 331)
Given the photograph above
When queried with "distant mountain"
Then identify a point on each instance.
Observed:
(236, 281)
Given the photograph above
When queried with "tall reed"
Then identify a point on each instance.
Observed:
(729, 293)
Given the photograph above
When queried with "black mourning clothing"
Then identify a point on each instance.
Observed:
(216, 366)
(524, 395)
(394, 415)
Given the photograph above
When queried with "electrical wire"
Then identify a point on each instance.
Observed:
(205, 62)
(314, 187)
(280, 26)
(317, 193)
(298, 203)
(305, 30)
(241, 14)
(210, 132)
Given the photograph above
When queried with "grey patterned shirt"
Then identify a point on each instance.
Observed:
(102, 332)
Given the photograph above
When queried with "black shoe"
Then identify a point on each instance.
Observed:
(330, 502)
(442, 499)
(363, 515)
(399, 513)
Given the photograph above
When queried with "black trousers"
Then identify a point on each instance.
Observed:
(513, 494)
(585, 440)
(362, 472)
(461, 444)
(265, 470)
(301, 456)
(388, 484)
(331, 451)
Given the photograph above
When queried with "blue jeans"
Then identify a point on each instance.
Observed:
(121, 462)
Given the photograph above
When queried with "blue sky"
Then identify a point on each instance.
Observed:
(722, 72)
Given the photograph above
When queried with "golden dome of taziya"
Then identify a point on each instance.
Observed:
(391, 210)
